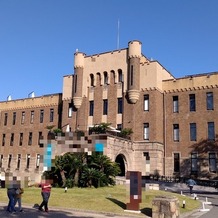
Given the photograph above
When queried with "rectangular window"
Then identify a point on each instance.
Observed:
(105, 106)
(120, 105)
(75, 84)
(31, 116)
(41, 116)
(6, 119)
(176, 162)
(51, 115)
(192, 103)
(131, 75)
(18, 161)
(194, 162)
(22, 117)
(193, 132)
(40, 137)
(30, 138)
(176, 132)
(146, 102)
(3, 139)
(9, 160)
(1, 160)
(146, 131)
(28, 161)
(209, 100)
(211, 131)
(212, 162)
(119, 126)
(21, 139)
(70, 110)
(37, 161)
(175, 104)
(91, 108)
(14, 118)
(12, 139)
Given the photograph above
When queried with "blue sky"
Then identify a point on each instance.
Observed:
(38, 38)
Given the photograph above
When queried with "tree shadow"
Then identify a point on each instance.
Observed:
(117, 202)
(202, 148)
(34, 213)
(147, 211)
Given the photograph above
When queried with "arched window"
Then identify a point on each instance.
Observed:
(112, 77)
(98, 79)
(105, 78)
(91, 80)
(120, 75)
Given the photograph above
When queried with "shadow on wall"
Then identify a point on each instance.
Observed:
(203, 149)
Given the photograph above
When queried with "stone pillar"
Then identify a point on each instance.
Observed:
(165, 206)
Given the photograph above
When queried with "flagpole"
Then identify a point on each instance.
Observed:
(118, 34)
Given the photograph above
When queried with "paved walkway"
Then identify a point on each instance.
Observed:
(204, 194)
(31, 212)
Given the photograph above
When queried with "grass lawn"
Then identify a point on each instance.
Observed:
(107, 199)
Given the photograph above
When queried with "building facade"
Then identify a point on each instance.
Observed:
(173, 119)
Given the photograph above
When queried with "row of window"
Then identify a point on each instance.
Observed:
(105, 82)
(212, 163)
(21, 137)
(19, 157)
(32, 113)
(192, 102)
(192, 131)
(104, 109)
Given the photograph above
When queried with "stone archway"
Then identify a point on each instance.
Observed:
(121, 160)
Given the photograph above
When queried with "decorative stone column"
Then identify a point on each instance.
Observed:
(165, 206)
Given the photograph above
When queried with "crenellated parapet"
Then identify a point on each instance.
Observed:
(135, 49)
(79, 60)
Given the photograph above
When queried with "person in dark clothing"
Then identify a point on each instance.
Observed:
(11, 192)
(191, 184)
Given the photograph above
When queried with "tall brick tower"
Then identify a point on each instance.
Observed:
(134, 54)
(78, 79)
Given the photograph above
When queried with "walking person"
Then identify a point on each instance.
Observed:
(11, 192)
(191, 183)
(45, 192)
(45, 186)
(18, 199)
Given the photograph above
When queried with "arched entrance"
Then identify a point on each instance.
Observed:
(121, 160)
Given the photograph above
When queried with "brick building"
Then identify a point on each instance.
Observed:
(173, 119)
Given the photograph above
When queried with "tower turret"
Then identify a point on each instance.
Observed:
(78, 79)
(134, 55)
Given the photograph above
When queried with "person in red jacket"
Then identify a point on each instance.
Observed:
(45, 192)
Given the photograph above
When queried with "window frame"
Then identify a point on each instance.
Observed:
(211, 131)
(212, 162)
(51, 115)
(105, 106)
(192, 102)
(176, 136)
(146, 131)
(91, 108)
(119, 105)
(193, 131)
(176, 162)
(210, 101)
(175, 104)
(30, 138)
(146, 102)
(41, 116)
